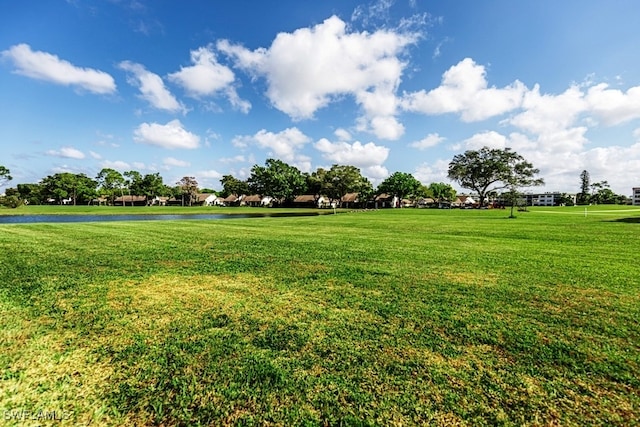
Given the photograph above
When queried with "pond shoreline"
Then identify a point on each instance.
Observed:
(99, 217)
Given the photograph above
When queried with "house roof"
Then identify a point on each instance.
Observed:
(426, 200)
(230, 198)
(128, 198)
(384, 197)
(466, 199)
(350, 197)
(305, 198)
(201, 197)
(253, 198)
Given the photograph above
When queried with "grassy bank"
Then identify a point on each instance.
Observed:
(371, 318)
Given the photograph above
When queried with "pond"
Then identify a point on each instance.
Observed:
(31, 219)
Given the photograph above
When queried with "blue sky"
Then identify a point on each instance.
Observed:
(207, 88)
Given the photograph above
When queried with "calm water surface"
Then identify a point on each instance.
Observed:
(30, 219)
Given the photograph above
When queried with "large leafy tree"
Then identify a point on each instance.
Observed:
(32, 193)
(316, 182)
(111, 183)
(152, 186)
(134, 182)
(5, 175)
(278, 180)
(65, 185)
(365, 191)
(400, 185)
(341, 179)
(488, 169)
(189, 188)
(232, 185)
(441, 192)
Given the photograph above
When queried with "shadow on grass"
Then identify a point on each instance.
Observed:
(632, 220)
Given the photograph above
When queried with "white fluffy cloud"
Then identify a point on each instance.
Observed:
(545, 113)
(283, 145)
(152, 88)
(489, 139)
(67, 153)
(343, 134)
(207, 77)
(356, 154)
(172, 135)
(307, 69)
(464, 90)
(209, 174)
(118, 165)
(614, 106)
(173, 162)
(429, 141)
(436, 172)
(45, 66)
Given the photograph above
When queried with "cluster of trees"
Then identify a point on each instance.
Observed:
(485, 171)
(597, 193)
(109, 183)
(276, 179)
(283, 182)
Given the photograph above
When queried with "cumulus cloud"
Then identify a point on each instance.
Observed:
(375, 173)
(342, 134)
(207, 77)
(118, 165)
(309, 68)
(356, 154)
(429, 141)
(436, 172)
(545, 112)
(614, 106)
(209, 174)
(491, 139)
(45, 66)
(283, 145)
(171, 136)
(235, 159)
(67, 153)
(152, 88)
(173, 162)
(464, 90)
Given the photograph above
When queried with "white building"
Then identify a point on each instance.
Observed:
(546, 199)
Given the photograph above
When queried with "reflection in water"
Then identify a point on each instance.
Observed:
(30, 219)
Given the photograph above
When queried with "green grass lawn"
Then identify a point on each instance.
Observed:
(389, 317)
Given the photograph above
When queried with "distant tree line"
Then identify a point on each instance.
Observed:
(283, 183)
(486, 171)
(276, 179)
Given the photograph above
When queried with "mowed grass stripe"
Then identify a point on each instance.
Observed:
(375, 318)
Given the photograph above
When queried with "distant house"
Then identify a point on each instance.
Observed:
(232, 200)
(462, 201)
(129, 200)
(173, 201)
(349, 200)
(385, 200)
(408, 203)
(636, 196)
(205, 199)
(256, 200)
(427, 202)
(158, 201)
(99, 201)
(306, 201)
